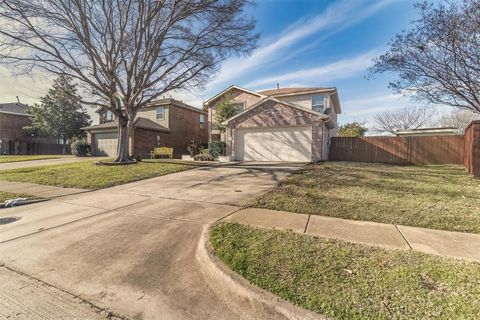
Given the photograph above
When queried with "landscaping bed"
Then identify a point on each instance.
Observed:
(438, 197)
(88, 175)
(350, 281)
(5, 159)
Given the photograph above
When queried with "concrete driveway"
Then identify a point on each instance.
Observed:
(130, 249)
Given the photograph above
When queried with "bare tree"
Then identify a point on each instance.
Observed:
(126, 53)
(402, 119)
(458, 119)
(438, 60)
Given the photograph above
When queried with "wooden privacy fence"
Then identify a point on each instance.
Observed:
(23, 147)
(400, 150)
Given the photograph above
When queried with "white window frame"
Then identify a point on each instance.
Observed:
(202, 120)
(240, 106)
(318, 105)
(108, 116)
(157, 114)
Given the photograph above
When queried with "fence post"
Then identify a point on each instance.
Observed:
(472, 148)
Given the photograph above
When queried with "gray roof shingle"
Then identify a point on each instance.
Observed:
(284, 91)
(140, 122)
(14, 108)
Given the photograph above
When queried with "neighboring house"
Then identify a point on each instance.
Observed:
(13, 140)
(449, 131)
(288, 124)
(163, 123)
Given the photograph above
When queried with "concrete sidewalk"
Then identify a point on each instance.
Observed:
(25, 298)
(38, 190)
(453, 244)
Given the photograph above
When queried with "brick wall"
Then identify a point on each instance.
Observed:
(11, 126)
(273, 114)
(15, 141)
(237, 96)
(146, 140)
(318, 143)
(184, 125)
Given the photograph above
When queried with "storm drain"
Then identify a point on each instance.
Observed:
(7, 220)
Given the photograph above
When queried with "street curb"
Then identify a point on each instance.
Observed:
(245, 299)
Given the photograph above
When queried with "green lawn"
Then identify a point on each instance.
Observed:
(5, 159)
(7, 196)
(349, 281)
(87, 175)
(438, 197)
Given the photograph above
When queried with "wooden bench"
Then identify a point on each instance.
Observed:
(162, 151)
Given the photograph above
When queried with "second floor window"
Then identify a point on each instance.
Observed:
(108, 116)
(202, 121)
(318, 103)
(239, 107)
(160, 113)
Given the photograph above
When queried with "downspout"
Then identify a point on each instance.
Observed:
(323, 141)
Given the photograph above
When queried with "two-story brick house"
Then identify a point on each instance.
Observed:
(14, 140)
(287, 124)
(163, 123)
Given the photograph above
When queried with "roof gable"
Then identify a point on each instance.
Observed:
(290, 105)
(231, 88)
(171, 101)
(140, 122)
(286, 92)
(294, 91)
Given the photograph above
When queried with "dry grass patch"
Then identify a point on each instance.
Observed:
(349, 281)
(88, 175)
(438, 197)
(5, 159)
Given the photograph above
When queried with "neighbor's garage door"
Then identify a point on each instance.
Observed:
(105, 144)
(274, 144)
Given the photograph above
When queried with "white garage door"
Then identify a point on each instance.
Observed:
(274, 144)
(105, 144)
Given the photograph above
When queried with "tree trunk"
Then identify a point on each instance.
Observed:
(122, 145)
(130, 136)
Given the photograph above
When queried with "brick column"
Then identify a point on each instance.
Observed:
(230, 142)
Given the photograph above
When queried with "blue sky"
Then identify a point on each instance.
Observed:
(303, 43)
(321, 43)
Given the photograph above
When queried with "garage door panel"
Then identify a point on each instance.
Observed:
(105, 144)
(274, 144)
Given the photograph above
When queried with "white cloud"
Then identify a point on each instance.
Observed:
(363, 109)
(336, 70)
(29, 89)
(367, 106)
(336, 17)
